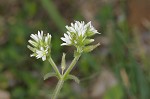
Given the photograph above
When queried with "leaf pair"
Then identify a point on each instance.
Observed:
(48, 75)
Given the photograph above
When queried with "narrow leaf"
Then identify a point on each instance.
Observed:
(46, 76)
(73, 78)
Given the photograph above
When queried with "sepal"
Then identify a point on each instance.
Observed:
(90, 48)
(88, 41)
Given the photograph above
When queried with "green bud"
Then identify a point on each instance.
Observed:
(90, 48)
(63, 63)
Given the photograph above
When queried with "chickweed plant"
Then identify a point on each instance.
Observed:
(78, 35)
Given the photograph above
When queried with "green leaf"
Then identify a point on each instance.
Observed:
(73, 78)
(46, 76)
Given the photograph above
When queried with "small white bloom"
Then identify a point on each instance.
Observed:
(40, 45)
(78, 35)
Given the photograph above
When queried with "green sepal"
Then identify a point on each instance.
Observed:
(48, 75)
(73, 78)
(89, 33)
(88, 41)
(90, 48)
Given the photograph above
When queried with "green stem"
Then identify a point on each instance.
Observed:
(54, 66)
(71, 66)
(62, 77)
(58, 88)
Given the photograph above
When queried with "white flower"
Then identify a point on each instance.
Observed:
(40, 45)
(77, 34)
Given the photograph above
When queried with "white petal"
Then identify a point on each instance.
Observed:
(62, 38)
(68, 41)
(44, 58)
(46, 40)
(41, 48)
(33, 43)
(67, 27)
(88, 24)
(64, 44)
(72, 24)
(34, 37)
(31, 55)
(66, 36)
(76, 27)
(40, 35)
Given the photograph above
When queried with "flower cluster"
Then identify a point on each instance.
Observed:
(78, 35)
(40, 45)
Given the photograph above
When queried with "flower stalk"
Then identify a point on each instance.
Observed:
(54, 67)
(71, 66)
(58, 88)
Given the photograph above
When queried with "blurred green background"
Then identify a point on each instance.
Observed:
(118, 69)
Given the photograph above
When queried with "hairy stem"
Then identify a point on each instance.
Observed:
(62, 77)
(54, 66)
(71, 66)
(57, 89)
